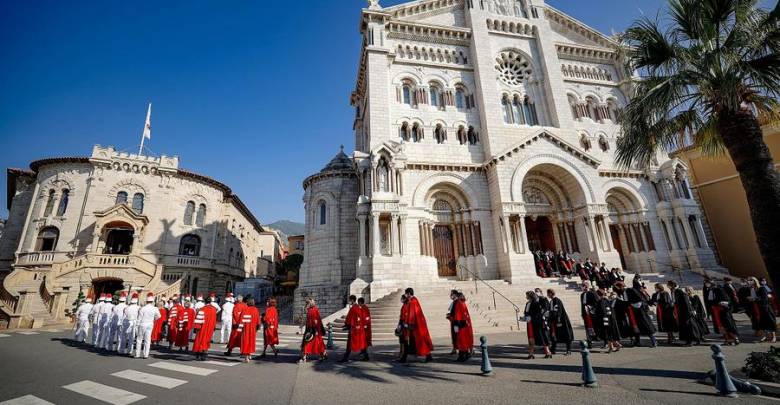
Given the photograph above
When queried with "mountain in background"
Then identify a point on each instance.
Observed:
(287, 228)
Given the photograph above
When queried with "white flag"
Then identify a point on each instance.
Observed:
(148, 125)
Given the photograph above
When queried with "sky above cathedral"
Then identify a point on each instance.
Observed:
(255, 95)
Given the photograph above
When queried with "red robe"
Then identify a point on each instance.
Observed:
(250, 320)
(173, 322)
(184, 322)
(367, 323)
(205, 322)
(464, 337)
(235, 333)
(314, 325)
(357, 332)
(418, 327)
(271, 327)
(158, 325)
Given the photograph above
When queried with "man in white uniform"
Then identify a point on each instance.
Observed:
(95, 315)
(130, 326)
(117, 315)
(83, 313)
(226, 318)
(146, 317)
(105, 322)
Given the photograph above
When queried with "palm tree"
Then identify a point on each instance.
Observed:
(709, 75)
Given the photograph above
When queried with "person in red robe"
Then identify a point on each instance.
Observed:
(366, 324)
(461, 326)
(204, 324)
(355, 325)
(416, 328)
(173, 320)
(157, 329)
(312, 338)
(270, 327)
(184, 326)
(250, 323)
(235, 333)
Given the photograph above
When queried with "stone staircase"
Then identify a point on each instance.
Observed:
(37, 307)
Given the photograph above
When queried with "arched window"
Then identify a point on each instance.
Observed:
(49, 203)
(189, 245)
(194, 286)
(614, 111)
(603, 144)
(694, 225)
(529, 110)
(507, 107)
(460, 98)
(575, 109)
(189, 211)
(200, 219)
(437, 97)
(121, 198)
(230, 257)
(462, 135)
(138, 203)
(585, 142)
(416, 133)
(590, 108)
(517, 108)
(405, 131)
(472, 136)
(439, 133)
(323, 213)
(47, 239)
(406, 93)
(63, 202)
(382, 176)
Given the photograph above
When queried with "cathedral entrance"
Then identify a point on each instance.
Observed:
(615, 235)
(119, 238)
(540, 234)
(444, 250)
(106, 285)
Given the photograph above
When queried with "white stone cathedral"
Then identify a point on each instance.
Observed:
(485, 131)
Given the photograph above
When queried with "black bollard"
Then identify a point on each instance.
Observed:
(588, 376)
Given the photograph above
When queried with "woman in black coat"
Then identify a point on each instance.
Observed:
(664, 312)
(536, 324)
(686, 315)
(608, 316)
(639, 317)
(721, 313)
(560, 326)
(765, 322)
(701, 313)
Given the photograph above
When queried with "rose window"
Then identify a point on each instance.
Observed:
(513, 68)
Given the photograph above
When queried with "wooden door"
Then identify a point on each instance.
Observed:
(444, 250)
(615, 235)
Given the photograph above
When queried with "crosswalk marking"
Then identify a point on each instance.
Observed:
(26, 400)
(152, 379)
(104, 393)
(221, 363)
(182, 368)
(27, 333)
(2, 335)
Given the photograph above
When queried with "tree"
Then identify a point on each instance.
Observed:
(709, 75)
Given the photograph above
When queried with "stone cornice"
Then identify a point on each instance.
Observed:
(573, 150)
(329, 174)
(584, 53)
(623, 173)
(430, 33)
(418, 8)
(559, 17)
(446, 167)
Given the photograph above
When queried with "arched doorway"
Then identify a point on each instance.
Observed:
(629, 230)
(540, 234)
(106, 285)
(119, 238)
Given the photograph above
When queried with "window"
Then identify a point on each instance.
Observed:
(518, 110)
(590, 108)
(49, 203)
(575, 108)
(694, 225)
(406, 93)
(437, 97)
(189, 210)
(47, 239)
(405, 131)
(462, 135)
(189, 245)
(138, 203)
(507, 107)
(460, 98)
(121, 198)
(585, 142)
(63, 202)
(200, 219)
(439, 133)
(614, 111)
(323, 213)
(603, 144)
(472, 136)
(529, 110)
(416, 133)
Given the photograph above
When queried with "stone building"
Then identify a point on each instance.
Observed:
(484, 131)
(116, 221)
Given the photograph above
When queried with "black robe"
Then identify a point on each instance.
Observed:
(686, 317)
(622, 309)
(721, 311)
(536, 323)
(701, 315)
(610, 330)
(588, 305)
(664, 311)
(640, 313)
(763, 311)
(560, 326)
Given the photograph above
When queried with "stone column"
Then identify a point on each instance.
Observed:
(473, 233)
(586, 230)
(700, 229)
(362, 233)
(393, 234)
(688, 231)
(594, 234)
(402, 235)
(523, 235)
(607, 233)
(376, 247)
(507, 234)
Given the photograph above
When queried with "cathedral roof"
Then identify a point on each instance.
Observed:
(339, 162)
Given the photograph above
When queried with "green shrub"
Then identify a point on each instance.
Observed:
(764, 366)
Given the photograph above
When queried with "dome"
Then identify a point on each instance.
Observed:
(339, 162)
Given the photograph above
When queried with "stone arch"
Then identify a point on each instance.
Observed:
(407, 75)
(421, 192)
(550, 161)
(625, 187)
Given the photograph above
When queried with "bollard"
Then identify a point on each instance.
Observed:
(723, 382)
(588, 376)
(486, 368)
(329, 345)
(746, 386)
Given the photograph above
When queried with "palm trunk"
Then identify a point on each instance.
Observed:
(743, 138)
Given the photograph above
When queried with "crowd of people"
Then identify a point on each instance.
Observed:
(562, 264)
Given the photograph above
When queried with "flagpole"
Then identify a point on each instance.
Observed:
(147, 132)
(141, 148)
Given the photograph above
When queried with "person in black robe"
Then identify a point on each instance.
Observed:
(721, 313)
(542, 297)
(686, 315)
(701, 312)
(705, 294)
(535, 317)
(639, 316)
(588, 302)
(664, 312)
(560, 325)
(771, 295)
(610, 330)
(743, 293)
(732, 293)
(765, 323)
(622, 311)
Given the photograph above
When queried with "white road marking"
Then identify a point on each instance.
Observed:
(27, 333)
(182, 368)
(2, 335)
(152, 379)
(104, 393)
(26, 400)
(53, 331)
(222, 363)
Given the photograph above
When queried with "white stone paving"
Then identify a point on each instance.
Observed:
(26, 400)
(181, 368)
(152, 379)
(104, 393)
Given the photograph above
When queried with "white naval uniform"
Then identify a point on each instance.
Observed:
(146, 317)
(130, 327)
(117, 315)
(227, 322)
(105, 324)
(82, 322)
(95, 313)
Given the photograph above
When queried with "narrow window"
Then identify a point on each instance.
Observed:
(121, 198)
(416, 133)
(460, 99)
(47, 239)
(462, 135)
(517, 108)
(138, 203)
(507, 109)
(323, 212)
(63, 202)
(472, 136)
(189, 245)
(439, 134)
(435, 94)
(200, 219)
(407, 94)
(189, 210)
(530, 111)
(405, 131)
(49, 203)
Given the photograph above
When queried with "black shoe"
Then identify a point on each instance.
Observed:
(428, 359)
(365, 357)
(227, 353)
(344, 360)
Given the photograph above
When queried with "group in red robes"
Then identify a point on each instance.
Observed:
(358, 324)
(461, 327)
(173, 321)
(205, 322)
(312, 337)
(184, 326)
(250, 323)
(235, 333)
(157, 329)
(270, 327)
(414, 329)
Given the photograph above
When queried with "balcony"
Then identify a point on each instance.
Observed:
(41, 258)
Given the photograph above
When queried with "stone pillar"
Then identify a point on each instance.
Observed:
(586, 230)
(607, 233)
(507, 234)
(594, 235)
(393, 234)
(703, 236)
(523, 235)
(688, 231)
(362, 233)
(473, 233)
(402, 235)
(666, 229)
(375, 245)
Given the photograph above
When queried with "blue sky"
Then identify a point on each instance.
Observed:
(254, 94)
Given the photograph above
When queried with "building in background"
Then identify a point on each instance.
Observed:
(719, 190)
(295, 244)
(272, 252)
(116, 221)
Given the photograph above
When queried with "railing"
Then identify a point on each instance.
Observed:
(46, 296)
(188, 260)
(40, 257)
(9, 300)
(494, 291)
(170, 290)
(105, 261)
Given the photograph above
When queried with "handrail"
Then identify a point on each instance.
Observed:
(170, 290)
(476, 277)
(675, 268)
(46, 296)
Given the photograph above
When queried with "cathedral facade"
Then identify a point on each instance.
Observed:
(485, 131)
